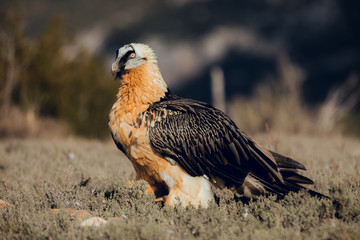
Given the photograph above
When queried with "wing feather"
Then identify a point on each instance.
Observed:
(204, 141)
(207, 142)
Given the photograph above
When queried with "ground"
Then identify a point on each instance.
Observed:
(37, 175)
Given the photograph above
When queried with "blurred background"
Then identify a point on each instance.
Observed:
(273, 65)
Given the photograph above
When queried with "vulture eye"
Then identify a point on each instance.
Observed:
(132, 55)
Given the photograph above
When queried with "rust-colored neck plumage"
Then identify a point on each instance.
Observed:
(139, 88)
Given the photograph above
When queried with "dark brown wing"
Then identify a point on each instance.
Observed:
(288, 168)
(204, 141)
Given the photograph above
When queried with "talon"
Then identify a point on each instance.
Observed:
(160, 199)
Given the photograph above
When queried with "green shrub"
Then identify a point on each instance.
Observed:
(77, 89)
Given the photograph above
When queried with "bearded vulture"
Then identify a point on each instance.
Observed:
(182, 146)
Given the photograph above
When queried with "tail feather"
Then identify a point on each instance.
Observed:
(288, 168)
(286, 162)
(317, 194)
(277, 188)
(275, 173)
(289, 186)
(292, 179)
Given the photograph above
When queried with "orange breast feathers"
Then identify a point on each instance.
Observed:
(139, 88)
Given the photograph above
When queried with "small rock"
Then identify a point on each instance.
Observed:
(246, 213)
(93, 222)
(71, 156)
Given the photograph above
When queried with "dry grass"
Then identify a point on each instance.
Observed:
(27, 124)
(278, 104)
(37, 175)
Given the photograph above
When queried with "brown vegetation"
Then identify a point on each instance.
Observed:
(38, 175)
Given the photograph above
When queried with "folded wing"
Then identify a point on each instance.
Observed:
(204, 141)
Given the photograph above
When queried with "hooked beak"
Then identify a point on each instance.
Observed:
(116, 70)
(115, 74)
